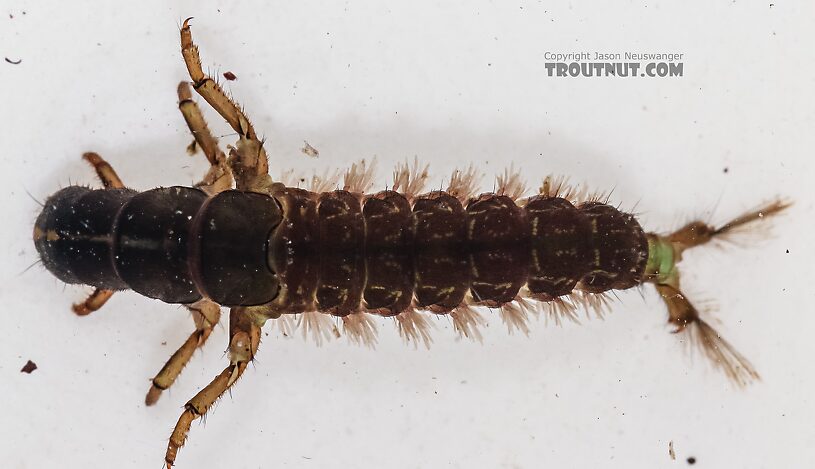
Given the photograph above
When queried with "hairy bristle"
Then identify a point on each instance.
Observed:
(515, 317)
(410, 180)
(511, 184)
(328, 181)
(701, 336)
(745, 224)
(360, 329)
(556, 310)
(560, 186)
(467, 322)
(555, 186)
(560, 310)
(286, 324)
(287, 178)
(721, 354)
(464, 184)
(319, 325)
(578, 194)
(600, 303)
(529, 305)
(360, 177)
(414, 327)
(599, 196)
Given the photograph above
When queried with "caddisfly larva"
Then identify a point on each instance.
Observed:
(269, 251)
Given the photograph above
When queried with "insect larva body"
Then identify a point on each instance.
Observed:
(337, 252)
(268, 251)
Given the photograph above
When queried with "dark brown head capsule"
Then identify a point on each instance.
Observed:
(73, 235)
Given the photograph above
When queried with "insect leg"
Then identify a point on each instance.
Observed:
(219, 177)
(94, 301)
(248, 161)
(103, 169)
(206, 315)
(244, 338)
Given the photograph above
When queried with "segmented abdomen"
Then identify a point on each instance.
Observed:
(337, 252)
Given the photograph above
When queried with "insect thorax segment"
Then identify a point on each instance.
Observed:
(174, 244)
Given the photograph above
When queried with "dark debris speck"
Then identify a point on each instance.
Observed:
(28, 367)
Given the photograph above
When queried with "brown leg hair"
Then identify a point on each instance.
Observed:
(219, 176)
(104, 170)
(244, 339)
(93, 302)
(248, 161)
(206, 315)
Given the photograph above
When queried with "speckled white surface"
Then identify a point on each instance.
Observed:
(451, 83)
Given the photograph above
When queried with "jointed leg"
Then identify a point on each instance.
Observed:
(95, 300)
(248, 162)
(244, 338)
(103, 169)
(206, 315)
(219, 177)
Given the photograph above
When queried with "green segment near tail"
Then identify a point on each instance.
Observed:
(661, 259)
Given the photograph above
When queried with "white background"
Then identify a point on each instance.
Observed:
(451, 83)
